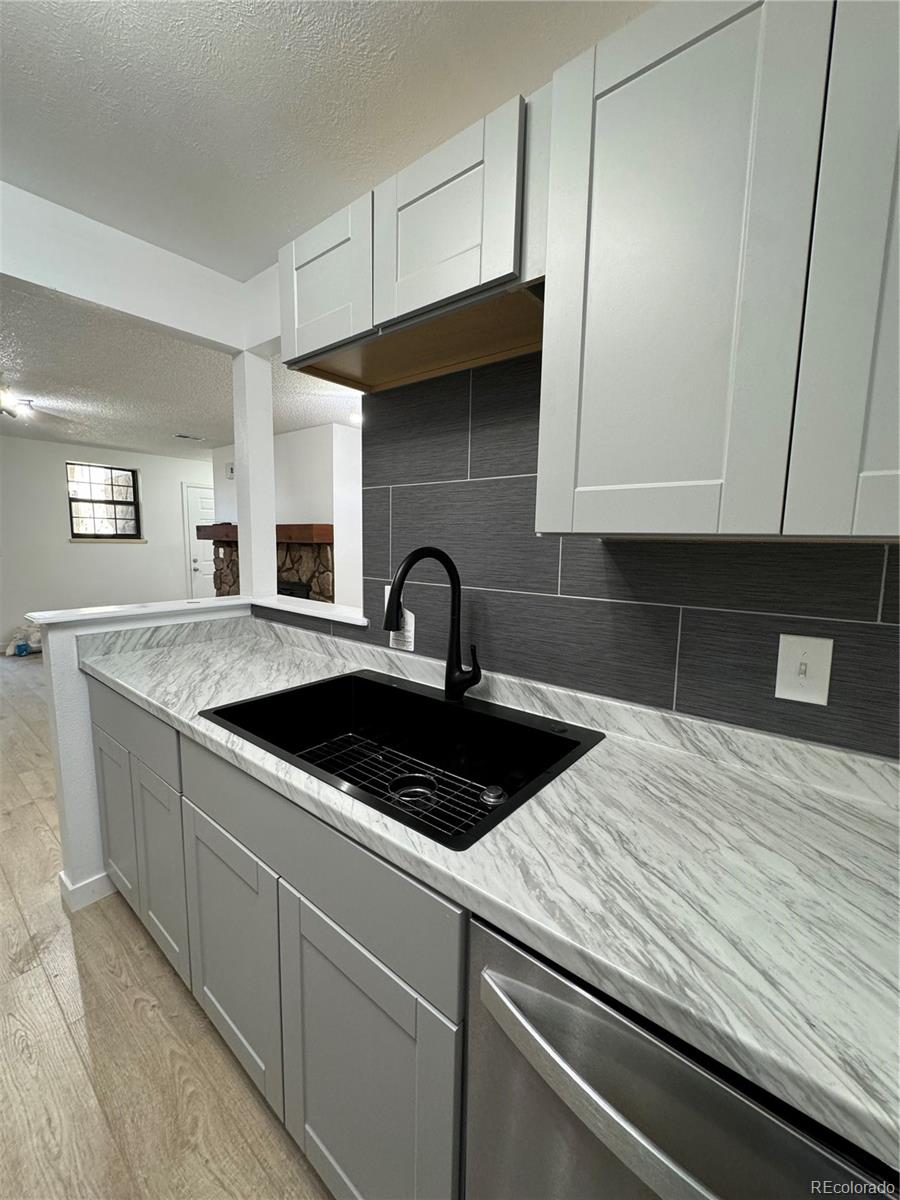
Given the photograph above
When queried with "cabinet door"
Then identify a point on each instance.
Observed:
(844, 456)
(233, 922)
(371, 1070)
(450, 223)
(117, 816)
(157, 815)
(325, 282)
(682, 177)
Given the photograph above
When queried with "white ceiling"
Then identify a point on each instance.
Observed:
(221, 130)
(125, 384)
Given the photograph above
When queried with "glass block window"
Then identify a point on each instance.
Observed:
(103, 502)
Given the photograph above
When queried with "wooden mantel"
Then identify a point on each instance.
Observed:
(283, 533)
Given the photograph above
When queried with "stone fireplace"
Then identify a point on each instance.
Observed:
(305, 557)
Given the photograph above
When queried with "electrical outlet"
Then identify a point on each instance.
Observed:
(403, 638)
(804, 668)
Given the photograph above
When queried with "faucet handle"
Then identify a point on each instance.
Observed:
(475, 669)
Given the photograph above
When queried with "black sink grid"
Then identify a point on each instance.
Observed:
(451, 771)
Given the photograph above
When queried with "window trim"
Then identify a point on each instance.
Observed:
(111, 538)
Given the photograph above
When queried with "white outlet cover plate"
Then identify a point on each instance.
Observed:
(804, 668)
(405, 637)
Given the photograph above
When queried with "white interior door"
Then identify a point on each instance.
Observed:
(199, 510)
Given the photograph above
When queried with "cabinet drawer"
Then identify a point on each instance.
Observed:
(415, 932)
(146, 737)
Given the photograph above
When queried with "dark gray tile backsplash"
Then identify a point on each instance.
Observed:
(418, 433)
(726, 670)
(809, 580)
(506, 400)
(376, 514)
(621, 650)
(455, 516)
(692, 626)
(889, 607)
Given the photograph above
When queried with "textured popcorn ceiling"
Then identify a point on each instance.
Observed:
(122, 383)
(221, 130)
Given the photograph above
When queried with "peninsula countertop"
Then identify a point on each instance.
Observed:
(750, 914)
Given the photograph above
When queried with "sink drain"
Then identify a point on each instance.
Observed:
(413, 787)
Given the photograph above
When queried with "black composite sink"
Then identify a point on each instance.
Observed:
(448, 770)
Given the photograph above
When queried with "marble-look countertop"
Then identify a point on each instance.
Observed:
(748, 913)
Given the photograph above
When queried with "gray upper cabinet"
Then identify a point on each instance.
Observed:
(325, 282)
(371, 1071)
(844, 457)
(683, 163)
(233, 922)
(449, 223)
(163, 907)
(117, 824)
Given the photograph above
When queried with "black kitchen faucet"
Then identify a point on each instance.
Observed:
(457, 679)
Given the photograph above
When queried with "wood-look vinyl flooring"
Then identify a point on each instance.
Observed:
(113, 1084)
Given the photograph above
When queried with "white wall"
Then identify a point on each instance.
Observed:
(304, 477)
(49, 245)
(40, 568)
(318, 479)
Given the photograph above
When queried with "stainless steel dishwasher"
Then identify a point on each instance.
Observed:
(570, 1100)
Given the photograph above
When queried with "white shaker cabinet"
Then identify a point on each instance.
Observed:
(683, 164)
(449, 223)
(844, 458)
(325, 282)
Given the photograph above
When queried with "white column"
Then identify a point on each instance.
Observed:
(254, 471)
(346, 487)
(83, 878)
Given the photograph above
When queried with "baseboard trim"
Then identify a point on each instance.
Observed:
(80, 895)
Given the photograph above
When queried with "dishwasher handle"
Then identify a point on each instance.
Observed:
(646, 1160)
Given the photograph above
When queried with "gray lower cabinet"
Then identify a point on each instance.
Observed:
(140, 824)
(117, 826)
(163, 905)
(371, 1071)
(233, 922)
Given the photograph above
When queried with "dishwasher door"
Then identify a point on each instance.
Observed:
(569, 1100)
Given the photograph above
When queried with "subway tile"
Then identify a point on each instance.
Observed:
(622, 650)
(889, 608)
(417, 433)
(808, 580)
(506, 400)
(485, 525)
(376, 517)
(726, 672)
